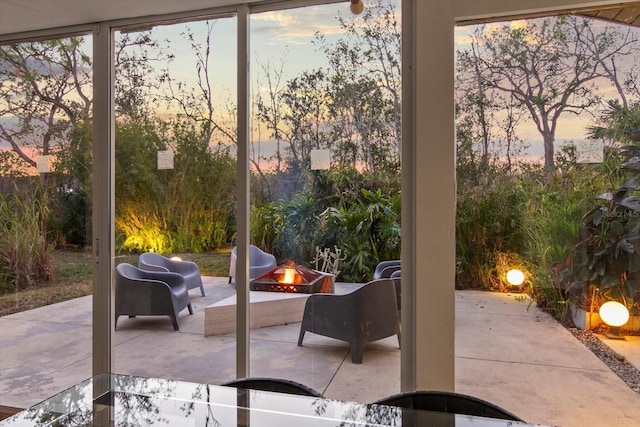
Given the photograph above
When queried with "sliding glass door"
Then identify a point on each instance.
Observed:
(175, 173)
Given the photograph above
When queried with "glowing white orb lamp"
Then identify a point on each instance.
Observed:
(515, 278)
(615, 315)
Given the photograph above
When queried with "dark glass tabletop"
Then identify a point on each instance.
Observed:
(121, 400)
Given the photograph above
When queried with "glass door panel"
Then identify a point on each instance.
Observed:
(45, 217)
(325, 189)
(175, 198)
(535, 192)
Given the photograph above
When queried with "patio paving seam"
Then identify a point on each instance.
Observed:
(513, 362)
(46, 322)
(529, 314)
(132, 338)
(335, 374)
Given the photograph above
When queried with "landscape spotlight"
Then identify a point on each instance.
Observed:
(614, 315)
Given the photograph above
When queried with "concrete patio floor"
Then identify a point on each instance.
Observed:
(506, 352)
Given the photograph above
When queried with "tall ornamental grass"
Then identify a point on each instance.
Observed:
(24, 252)
(553, 221)
(489, 227)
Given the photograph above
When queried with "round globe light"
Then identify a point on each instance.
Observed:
(357, 6)
(614, 314)
(515, 277)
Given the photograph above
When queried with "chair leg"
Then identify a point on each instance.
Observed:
(190, 308)
(301, 337)
(357, 351)
(174, 321)
(202, 290)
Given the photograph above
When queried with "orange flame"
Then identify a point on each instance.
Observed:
(289, 275)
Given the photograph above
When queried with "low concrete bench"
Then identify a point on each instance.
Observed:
(267, 309)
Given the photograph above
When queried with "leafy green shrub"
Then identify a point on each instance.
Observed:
(297, 229)
(489, 221)
(263, 225)
(551, 227)
(339, 212)
(608, 253)
(526, 214)
(366, 233)
(74, 211)
(141, 231)
(189, 208)
(582, 248)
(549, 294)
(554, 208)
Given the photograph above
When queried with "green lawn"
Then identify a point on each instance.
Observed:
(71, 278)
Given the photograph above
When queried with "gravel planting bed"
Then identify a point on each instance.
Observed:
(614, 361)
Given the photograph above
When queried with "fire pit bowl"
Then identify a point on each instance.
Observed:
(293, 278)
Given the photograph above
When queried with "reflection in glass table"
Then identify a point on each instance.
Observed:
(120, 400)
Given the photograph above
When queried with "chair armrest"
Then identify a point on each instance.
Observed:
(152, 267)
(170, 278)
(184, 267)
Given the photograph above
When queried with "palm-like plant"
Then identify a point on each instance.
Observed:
(609, 250)
(367, 232)
(618, 123)
(296, 229)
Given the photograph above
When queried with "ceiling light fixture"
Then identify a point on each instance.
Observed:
(357, 6)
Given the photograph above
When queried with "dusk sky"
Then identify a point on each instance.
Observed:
(286, 38)
(283, 36)
(282, 39)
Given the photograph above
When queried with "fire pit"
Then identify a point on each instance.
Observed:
(293, 278)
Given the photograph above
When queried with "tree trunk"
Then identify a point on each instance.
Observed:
(549, 164)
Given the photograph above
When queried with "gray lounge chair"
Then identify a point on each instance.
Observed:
(366, 314)
(260, 262)
(396, 276)
(151, 261)
(384, 269)
(150, 293)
